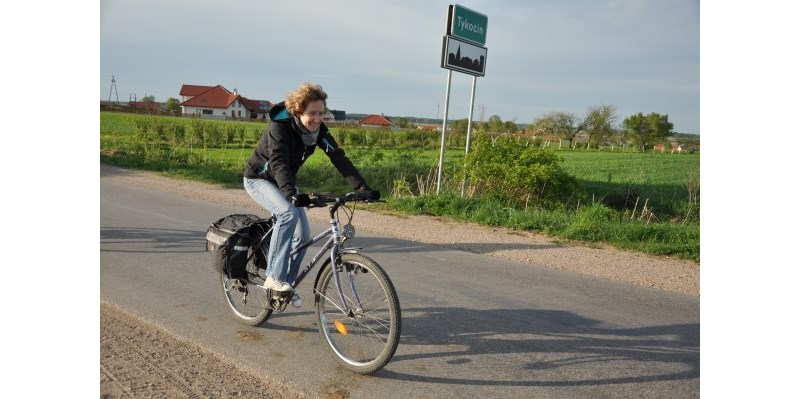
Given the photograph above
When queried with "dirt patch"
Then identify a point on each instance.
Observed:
(139, 360)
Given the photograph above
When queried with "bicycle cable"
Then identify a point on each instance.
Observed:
(349, 212)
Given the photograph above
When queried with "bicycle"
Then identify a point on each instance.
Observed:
(356, 305)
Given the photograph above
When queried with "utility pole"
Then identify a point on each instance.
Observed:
(114, 88)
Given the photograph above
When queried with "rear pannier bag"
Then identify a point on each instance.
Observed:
(261, 232)
(228, 240)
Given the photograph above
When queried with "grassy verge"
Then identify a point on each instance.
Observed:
(590, 224)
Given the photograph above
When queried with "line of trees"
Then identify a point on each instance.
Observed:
(172, 103)
(599, 122)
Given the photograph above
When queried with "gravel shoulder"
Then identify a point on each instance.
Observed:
(138, 359)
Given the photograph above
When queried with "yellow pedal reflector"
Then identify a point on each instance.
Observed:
(340, 327)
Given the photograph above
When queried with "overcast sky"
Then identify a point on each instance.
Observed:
(384, 56)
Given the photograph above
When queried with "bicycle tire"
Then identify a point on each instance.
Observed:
(250, 304)
(365, 340)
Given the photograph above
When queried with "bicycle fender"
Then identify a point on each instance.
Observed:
(354, 250)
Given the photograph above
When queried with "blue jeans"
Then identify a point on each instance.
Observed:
(291, 229)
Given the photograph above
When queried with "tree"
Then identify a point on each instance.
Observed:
(636, 129)
(149, 99)
(495, 124)
(510, 127)
(660, 126)
(598, 124)
(559, 124)
(402, 123)
(459, 125)
(173, 104)
(646, 130)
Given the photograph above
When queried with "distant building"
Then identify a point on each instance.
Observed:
(428, 127)
(338, 115)
(217, 102)
(149, 107)
(258, 109)
(375, 121)
(189, 91)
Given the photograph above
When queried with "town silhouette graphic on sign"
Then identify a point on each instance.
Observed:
(456, 59)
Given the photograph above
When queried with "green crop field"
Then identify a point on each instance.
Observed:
(663, 179)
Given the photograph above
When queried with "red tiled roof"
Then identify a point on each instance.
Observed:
(193, 90)
(379, 120)
(255, 105)
(215, 97)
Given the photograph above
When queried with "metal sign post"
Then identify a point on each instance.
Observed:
(469, 126)
(444, 132)
(471, 107)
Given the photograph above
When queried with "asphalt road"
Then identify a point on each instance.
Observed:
(473, 325)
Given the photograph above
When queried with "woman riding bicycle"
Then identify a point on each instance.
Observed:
(270, 178)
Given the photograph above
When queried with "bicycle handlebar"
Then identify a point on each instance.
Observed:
(322, 199)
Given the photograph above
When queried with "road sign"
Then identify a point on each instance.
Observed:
(467, 24)
(462, 51)
(463, 56)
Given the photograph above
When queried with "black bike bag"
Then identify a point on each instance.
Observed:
(228, 240)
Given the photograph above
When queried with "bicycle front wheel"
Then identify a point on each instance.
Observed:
(365, 333)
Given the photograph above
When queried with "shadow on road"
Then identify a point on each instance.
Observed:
(172, 240)
(554, 347)
(151, 240)
(392, 245)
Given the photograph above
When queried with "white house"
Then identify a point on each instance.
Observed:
(216, 102)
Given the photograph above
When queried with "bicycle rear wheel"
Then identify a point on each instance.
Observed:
(365, 338)
(249, 303)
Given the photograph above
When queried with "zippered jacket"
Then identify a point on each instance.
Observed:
(280, 153)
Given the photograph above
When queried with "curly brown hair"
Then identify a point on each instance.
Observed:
(298, 99)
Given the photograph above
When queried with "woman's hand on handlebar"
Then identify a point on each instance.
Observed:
(368, 193)
(301, 200)
(365, 195)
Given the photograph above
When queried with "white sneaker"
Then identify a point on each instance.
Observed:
(275, 285)
(296, 300)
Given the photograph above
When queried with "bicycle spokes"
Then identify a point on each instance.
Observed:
(360, 318)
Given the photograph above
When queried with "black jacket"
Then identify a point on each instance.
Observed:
(281, 152)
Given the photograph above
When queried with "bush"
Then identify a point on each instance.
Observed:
(517, 173)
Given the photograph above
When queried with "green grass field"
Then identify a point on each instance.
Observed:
(662, 179)
(617, 185)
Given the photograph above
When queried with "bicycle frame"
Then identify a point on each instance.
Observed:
(333, 244)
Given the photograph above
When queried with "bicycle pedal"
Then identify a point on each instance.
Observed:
(278, 304)
(282, 295)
